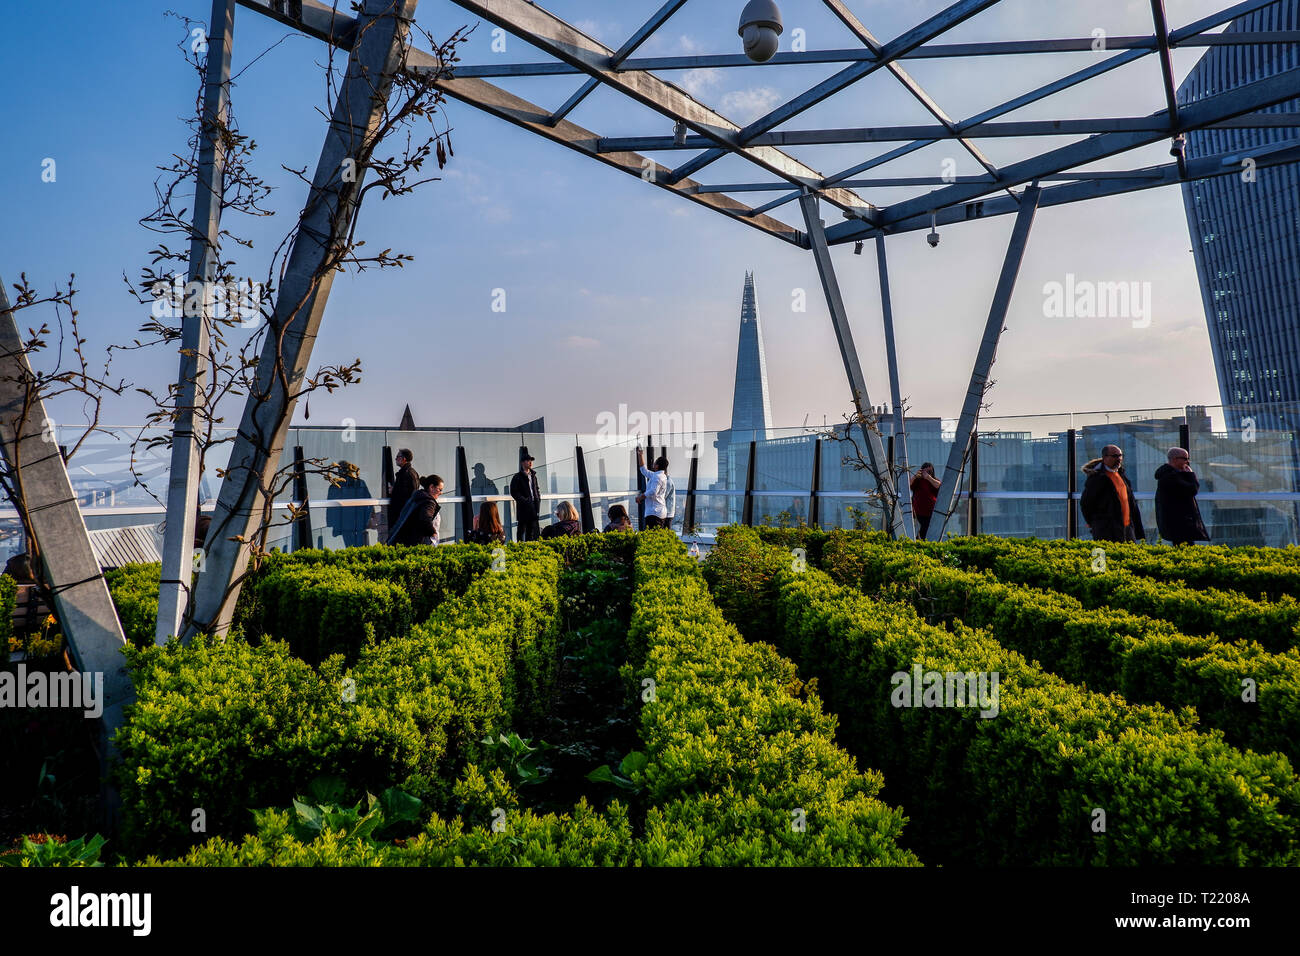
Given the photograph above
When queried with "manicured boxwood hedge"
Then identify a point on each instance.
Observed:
(1144, 659)
(8, 601)
(226, 726)
(736, 743)
(134, 589)
(1228, 614)
(1022, 787)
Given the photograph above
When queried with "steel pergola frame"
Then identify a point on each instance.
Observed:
(1015, 187)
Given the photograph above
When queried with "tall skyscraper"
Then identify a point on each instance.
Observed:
(751, 409)
(1245, 230)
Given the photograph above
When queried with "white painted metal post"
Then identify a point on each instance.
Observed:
(81, 599)
(848, 352)
(895, 392)
(979, 376)
(183, 479)
(382, 26)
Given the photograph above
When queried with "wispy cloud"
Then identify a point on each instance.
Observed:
(746, 105)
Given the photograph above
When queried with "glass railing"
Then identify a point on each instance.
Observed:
(1246, 458)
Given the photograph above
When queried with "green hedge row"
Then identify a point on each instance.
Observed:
(8, 602)
(228, 726)
(328, 607)
(1228, 614)
(1145, 660)
(1022, 787)
(741, 755)
(134, 589)
(585, 837)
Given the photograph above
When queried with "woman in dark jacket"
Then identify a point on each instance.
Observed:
(566, 522)
(419, 520)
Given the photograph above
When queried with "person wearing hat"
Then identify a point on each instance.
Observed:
(528, 499)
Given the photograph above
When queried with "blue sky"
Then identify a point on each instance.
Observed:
(616, 291)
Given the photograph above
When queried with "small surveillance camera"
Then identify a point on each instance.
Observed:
(1178, 146)
(857, 248)
(933, 238)
(760, 29)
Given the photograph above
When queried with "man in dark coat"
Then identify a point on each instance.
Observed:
(528, 500)
(418, 523)
(1107, 502)
(1177, 514)
(404, 484)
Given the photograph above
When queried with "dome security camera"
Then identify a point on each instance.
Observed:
(760, 29)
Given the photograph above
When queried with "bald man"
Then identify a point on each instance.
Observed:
(1107, 502)
(1177, 514)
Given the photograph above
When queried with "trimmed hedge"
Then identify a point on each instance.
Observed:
(134, 589)
(8, 603)
(1028, 780)
(1146, 660)
(230, 726)
(584, 838)
(1232, 616)
(736, 744)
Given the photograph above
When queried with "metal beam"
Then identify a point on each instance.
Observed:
(191, 397)
(557, 38)
(1244, 99)
(929, 51)
(300, 303)
(536, 119)
(941, 22)
(1206, 167)
(890, 134)
(1187, 35)
(81, 599)
(1167, 74)
(849, 355)
(984, 361)
(911, 85)
(899, 438)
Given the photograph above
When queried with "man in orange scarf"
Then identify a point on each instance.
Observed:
(1107, 502)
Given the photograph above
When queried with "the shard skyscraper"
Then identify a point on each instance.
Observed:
(751, 408)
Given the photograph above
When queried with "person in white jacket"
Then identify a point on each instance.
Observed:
(656, 490)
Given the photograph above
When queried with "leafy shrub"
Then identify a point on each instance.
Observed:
(736, 744)
(1146, 660)
(134, 588)
(230, 726)
(1028, 780)
(8, 603)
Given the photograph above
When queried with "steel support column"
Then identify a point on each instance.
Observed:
(183, 478)
(81, 599)
(898, 456)
(984, 361)
(304, 290)
(849, 354)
